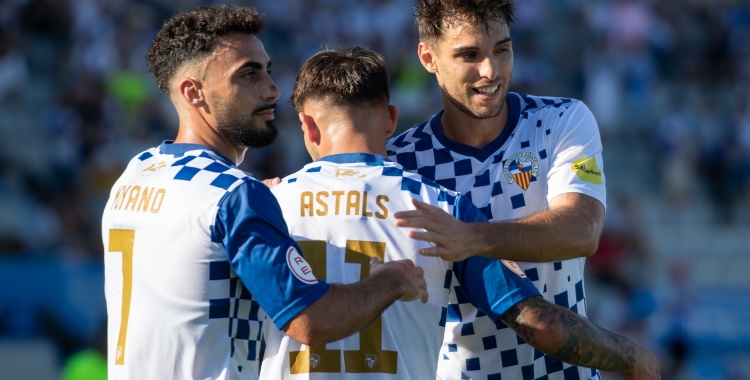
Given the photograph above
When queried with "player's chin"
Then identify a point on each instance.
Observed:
(488, 112)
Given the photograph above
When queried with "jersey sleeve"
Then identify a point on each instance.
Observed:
(488, 284)
(250, 225)
(577, 165)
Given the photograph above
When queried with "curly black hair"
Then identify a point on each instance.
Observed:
(433, 16)
(347, 77)
(191, 34)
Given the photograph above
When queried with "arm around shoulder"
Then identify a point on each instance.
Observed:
(346, 309)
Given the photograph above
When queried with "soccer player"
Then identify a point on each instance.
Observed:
(196, 250)
(531, 164)
(340, 209)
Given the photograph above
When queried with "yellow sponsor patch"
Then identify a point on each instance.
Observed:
(587, 170)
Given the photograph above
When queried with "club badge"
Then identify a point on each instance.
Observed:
(520, 167)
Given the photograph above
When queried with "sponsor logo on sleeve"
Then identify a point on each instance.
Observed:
(300, 268)
(520, 168)
(514, 267)
(587, 170)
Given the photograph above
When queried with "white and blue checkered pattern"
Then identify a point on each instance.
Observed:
(201, 166)
(240, 308)
(475, 346)
(188, 303)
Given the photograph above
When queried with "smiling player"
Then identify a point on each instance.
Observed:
(531, 164)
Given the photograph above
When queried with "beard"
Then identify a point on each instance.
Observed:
(486, 114)
(244, 129)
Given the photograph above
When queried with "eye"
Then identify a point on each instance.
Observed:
(248, 74)
(269, 71)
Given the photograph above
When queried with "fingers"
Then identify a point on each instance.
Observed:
(434, 252)
(271, 182)
(423, 296)
(428, 236)
(375, 260)
(426, 206)
(417, 222)
(411, 214)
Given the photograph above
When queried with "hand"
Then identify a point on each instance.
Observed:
(454, 240)
(646, 367)
(411, 276)
(271, 182)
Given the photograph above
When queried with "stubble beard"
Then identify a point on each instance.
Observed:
(244, 130)
(493, 112)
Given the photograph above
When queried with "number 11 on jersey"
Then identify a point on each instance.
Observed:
(370, 358)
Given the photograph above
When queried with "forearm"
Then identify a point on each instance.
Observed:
(568, 337)
(552, 235)
(344, 310)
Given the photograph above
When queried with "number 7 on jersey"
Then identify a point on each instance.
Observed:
(123, 241)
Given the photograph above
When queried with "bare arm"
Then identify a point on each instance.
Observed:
(566, 336)
(570, 228)
(346, 309)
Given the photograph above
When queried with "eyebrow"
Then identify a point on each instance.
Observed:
(254, 65)
(464, 49)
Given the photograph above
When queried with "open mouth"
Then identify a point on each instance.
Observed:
(486, 90)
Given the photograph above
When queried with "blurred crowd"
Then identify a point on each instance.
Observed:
(669, 79)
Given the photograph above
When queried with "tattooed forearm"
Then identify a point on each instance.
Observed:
(566, 336)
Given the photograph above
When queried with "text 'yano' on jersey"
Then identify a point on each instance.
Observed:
(194, 247)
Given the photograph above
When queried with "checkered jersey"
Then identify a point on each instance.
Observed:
(548, 147)
(340, 209)
(189, 241)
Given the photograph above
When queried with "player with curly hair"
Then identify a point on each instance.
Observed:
(197, 253)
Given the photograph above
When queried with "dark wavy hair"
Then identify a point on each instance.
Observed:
(433, 16)
(191, 34)
(348, 77)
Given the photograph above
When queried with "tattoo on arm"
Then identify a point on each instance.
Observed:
(566, 336)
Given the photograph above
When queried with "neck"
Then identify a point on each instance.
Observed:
(352, 140)
(192, 131)
(468, 130)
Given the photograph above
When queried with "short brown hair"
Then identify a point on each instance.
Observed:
(191, 34)
(432, 16)
(347, 77)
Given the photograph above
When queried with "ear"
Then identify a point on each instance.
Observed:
(191, 92)
(427, 57)
(310, 128)
(392, 120)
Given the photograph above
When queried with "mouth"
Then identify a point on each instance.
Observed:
(486, 91)
(265, 112)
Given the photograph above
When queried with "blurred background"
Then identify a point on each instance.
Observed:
(668, 81)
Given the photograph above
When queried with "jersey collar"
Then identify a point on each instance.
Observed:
(351, 158)
(169, 147)
(514, 108)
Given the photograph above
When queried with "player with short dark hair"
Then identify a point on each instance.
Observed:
(340, 208)
(532, 165)
(196, 251)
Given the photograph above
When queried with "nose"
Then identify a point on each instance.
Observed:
(271, 92)
(488, 68)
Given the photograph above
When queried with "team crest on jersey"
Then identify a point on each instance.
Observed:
(370, 360)
(314, 360)
(520, 167)
(300, 268)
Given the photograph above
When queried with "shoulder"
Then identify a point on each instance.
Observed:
(293, 180)
(422, 188)
(410, 139)
(203, 169)
(550, 107)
